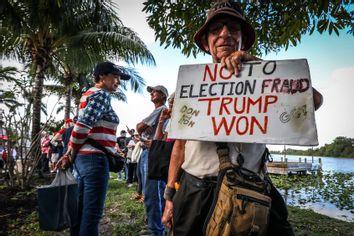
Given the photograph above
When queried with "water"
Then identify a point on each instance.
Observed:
(335, 164)
(312, 199)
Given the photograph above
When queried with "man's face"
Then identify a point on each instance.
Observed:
(156, 96)
(223, 37)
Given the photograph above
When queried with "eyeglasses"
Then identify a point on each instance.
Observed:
(216, 28)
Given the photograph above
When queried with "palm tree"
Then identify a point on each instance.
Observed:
(8, 97)
(41, 33)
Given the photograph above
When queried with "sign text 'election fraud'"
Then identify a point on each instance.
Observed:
(271, 102)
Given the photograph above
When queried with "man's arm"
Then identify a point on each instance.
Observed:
(141, 127)
(317, 99)
(176, 161)
(149, 121)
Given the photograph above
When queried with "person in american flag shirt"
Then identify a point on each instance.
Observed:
(98, 121)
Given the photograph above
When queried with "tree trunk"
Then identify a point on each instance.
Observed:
(77, 105)
(37, 99)
(68, 95)
(41, 67)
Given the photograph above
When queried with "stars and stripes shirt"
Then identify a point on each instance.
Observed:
(97, 121)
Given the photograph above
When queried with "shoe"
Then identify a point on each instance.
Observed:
(130, 185)
(140, 200)
(136, 196)
(145, 232)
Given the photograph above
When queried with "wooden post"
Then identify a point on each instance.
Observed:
(305, 160)
(281, 159)
(299, 159)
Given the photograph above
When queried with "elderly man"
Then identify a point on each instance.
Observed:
(226, 36)
(152, 189)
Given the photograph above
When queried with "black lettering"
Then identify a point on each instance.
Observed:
(249, 88)
(191, 95)
(210, 89)
(239, 88)
(251, 66)
(223, 87)
(231, 88)
(271, 71)
(202, 90)
(181, 95)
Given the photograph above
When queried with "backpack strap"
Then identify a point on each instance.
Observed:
(222, 149)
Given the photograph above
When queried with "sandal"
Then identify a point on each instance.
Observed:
(136, 196)
(141, 199)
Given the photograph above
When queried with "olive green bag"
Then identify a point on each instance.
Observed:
(241, 205)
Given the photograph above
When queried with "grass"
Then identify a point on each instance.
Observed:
(307, 222)
(126, 217)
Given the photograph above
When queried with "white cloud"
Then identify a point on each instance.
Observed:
(335, 117)
(132, 16)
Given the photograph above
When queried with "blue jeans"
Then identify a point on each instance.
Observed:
(139, 188)
(154, 201)
(143, 168)
(92, 178)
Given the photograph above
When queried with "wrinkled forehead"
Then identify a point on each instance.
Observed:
(224, 18)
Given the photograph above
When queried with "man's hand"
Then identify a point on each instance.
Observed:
(167, 214)
(63, 163)
(233, 62)
(165, 114)
(148, 143)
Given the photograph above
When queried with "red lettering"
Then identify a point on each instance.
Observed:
(242, 125)
(223, 124)
(207, 70)
(225, 101)
(250, 103)
(269, 99)
(243, 105)
(238, 125)
(209, 100)
(255, 121)
(276, 83)
(224, 77)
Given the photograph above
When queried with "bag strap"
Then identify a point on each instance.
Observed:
(223, 151)
(94, 144)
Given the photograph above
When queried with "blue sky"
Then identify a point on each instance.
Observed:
(331, 61)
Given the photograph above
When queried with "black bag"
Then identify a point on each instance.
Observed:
(58, 203)
(159, 159)
(116, 162)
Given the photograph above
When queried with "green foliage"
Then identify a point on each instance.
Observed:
(126, 217)
(278, 24)
(336, 188)
(52, 37)
(340, 147)
(307, 222)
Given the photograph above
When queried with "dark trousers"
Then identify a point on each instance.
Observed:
(191, 204)
(131, 172)
(278, 219)
(44, 167)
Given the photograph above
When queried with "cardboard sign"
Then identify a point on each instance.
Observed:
(271, 102)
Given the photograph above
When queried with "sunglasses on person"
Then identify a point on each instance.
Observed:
(216, 28)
